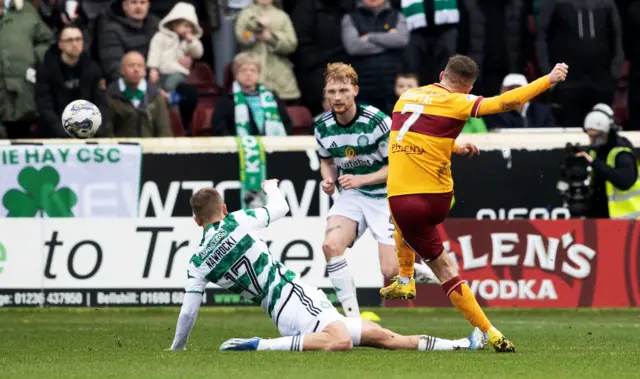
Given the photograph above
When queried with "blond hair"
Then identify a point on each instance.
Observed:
(461, 70)
(206, 203)
(340, 72)
(246, 57)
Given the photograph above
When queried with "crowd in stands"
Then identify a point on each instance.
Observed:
(233, 67)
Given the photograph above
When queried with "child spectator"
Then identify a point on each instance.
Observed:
(404, 81)
(174, 47)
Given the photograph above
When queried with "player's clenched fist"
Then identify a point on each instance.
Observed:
(559, 73)
(269, 183)
(328, 186)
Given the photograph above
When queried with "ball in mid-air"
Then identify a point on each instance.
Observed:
(81, 119)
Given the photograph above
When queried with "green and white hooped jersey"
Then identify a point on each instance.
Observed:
(359, 148)
(232, 257)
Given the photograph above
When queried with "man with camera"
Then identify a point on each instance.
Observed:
(614, 175)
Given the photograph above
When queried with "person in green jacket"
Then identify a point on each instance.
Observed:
(24, 39)
(137, 108)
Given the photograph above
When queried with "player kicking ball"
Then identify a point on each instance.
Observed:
(231, 256)
(426, 123)
(353, 147)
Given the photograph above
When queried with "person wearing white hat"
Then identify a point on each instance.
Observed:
(615, 183)
(530, 115)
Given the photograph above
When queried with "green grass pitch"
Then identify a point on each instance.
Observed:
(129, 343)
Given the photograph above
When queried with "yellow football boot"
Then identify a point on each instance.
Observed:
(499, 342)
(397, 290)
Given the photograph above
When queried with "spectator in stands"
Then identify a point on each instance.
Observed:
(126, 26)
(403, 82)
(58, 13)
(587, 36)
(633, 15)
(137, 108)
(174, 46)
(67, 74)
(251, 109)
(496, 41)
(24, 39)
(94, 8)
(222, 16)
(171, 53)
(319, 43)
(374, 35)
(530, 115)
(434, 32)
(267, 31)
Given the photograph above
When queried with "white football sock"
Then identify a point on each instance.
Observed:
(424, 275)
(293, 343)
(343, 284)
(403, 279)
(428, 343)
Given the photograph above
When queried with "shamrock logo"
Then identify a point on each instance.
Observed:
(39, 194)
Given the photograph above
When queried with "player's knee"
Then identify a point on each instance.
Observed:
(332, 249)
(389, 271)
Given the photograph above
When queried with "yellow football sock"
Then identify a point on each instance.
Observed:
(462, 298)
(406, 258)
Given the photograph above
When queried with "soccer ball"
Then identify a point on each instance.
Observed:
(81, 119)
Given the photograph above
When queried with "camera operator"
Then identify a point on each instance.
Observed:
(615, 184)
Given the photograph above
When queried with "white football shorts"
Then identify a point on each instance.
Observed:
(368, 212)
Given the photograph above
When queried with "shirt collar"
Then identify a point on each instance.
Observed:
(207, 228)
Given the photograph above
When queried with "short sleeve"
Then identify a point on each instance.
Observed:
(322, 151)
(383, 140)
(466, 105)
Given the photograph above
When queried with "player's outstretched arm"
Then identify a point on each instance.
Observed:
(516, 98)
(186, 320)
(277, 206)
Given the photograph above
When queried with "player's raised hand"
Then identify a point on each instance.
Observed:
(467, 148)
(349, 181)
(559, 73)
(267, 182)
(328, 186)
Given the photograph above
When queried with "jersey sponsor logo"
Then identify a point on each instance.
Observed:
(350, 152)
(214, 241)
(409, 150)
(220, 252)
(355, 163)
(363, 141)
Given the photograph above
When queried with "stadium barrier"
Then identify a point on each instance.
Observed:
(126, 262)
(115, 259)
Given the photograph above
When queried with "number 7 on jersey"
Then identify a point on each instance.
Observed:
(416, 111)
